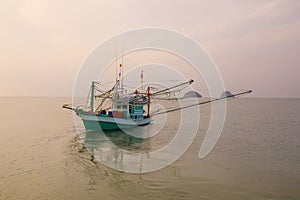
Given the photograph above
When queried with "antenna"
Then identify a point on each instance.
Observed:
(142, 80)
(122, 69)
(116, 62)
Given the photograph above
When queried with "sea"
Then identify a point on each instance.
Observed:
(44, 156)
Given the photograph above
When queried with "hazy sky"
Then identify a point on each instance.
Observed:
(255, 43)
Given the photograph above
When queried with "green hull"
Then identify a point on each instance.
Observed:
(92, 124)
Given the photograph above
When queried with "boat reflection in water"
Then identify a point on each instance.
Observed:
(117, 149)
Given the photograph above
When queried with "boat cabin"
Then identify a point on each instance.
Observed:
(128, 107)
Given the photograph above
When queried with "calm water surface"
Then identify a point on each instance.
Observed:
(257, 156)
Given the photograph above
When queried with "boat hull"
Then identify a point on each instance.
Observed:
(92, 122)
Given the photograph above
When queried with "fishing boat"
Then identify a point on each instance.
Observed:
(125, 110)
(118, 109)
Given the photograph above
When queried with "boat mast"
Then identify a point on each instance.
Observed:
(116, 64)
(148, 95)
(122, 72)
(142, 80)
(92, 97)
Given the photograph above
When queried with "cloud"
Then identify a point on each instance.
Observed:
(264, 16)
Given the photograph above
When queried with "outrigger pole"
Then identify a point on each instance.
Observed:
(160, 92)
(188, 82)
(92, 97)
(205, 102)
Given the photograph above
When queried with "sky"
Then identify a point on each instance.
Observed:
(254, 43)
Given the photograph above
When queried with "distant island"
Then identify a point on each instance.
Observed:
(226, 94)
(192, 94)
